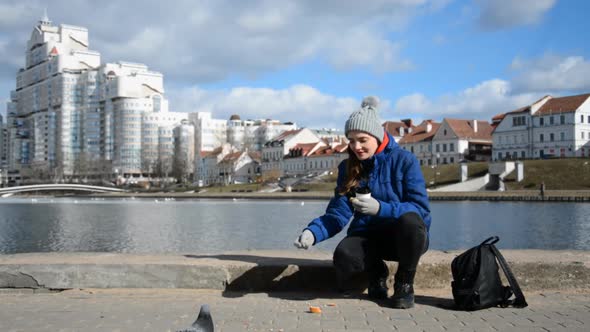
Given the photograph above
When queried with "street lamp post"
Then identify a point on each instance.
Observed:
(435, 168)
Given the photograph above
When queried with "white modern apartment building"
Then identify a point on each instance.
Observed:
(71, 115)
(158, 147)
(550, 127)
(210, 133)
(184, 150)
(3, 141)
(253, 134)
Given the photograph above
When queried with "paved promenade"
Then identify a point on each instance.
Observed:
(173, 309)
(270, 291)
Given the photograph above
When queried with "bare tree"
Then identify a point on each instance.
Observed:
(180, 169)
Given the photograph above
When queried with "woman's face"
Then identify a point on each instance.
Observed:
(362, 144)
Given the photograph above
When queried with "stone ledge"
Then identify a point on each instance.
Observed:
(288, 270)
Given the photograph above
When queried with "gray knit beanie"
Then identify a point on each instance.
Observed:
(366, 119)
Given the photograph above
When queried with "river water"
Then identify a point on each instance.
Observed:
(210, 226)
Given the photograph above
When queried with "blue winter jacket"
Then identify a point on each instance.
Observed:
(395, 180)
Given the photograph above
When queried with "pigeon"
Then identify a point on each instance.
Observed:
(204, 322)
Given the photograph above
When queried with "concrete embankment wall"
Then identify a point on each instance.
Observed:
(289, 270)
(519, 195)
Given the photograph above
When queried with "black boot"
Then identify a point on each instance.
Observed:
(403, 296)
(403, 289)
(378, 288)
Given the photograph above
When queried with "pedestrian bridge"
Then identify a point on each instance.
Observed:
(57, 186)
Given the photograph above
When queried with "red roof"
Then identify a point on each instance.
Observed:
(205, 154)
(464, 129)
(419, 133)
(304, 147)
(341, 148)
(392, 127)
(562, 105)
(232, 156)
(286, 134)
(326, 151)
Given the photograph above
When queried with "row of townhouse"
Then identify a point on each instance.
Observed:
(450, 141)
(225, 165)
(291, 153)
(303, 152)
(549, 127)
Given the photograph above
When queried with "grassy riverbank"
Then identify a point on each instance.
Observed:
(558, 174)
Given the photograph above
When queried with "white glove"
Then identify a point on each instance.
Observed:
(365, 205)
(305, 240)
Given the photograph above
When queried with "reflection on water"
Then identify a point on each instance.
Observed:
(207, 226)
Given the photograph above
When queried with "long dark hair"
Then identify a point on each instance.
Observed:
(353, 173)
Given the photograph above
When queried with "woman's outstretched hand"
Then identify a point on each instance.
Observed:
(365, 205)
(305, 240)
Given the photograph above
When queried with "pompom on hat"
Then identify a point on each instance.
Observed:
(366, 119)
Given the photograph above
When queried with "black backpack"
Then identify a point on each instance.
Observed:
(476, 281)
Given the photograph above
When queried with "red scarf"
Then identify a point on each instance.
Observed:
(383, 144)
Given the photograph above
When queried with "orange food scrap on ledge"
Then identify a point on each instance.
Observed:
(315, 310)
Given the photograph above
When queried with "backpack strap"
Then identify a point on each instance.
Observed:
(490, 240)
(519, 300)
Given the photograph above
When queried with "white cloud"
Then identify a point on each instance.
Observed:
(301, 104)
(551, 73)
(215, 39)
(482, 101)
(498, 14)
(364, 47)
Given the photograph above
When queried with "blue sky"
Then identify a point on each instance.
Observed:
(312, 61)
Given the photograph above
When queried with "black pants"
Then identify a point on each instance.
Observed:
(403, 240)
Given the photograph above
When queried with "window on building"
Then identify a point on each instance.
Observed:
(582, 118)
(541, 121)
(551, 137)
(588, 118)
(541, 138)
(522, 154)
(551, 120)
(444, 148)
(562, 119)
(518, 121)
(437, 148)
(499, 155)
(452, 160)
(582, 135)
(412, 149)
(445, 132)
(562, 136)
(452, 147)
